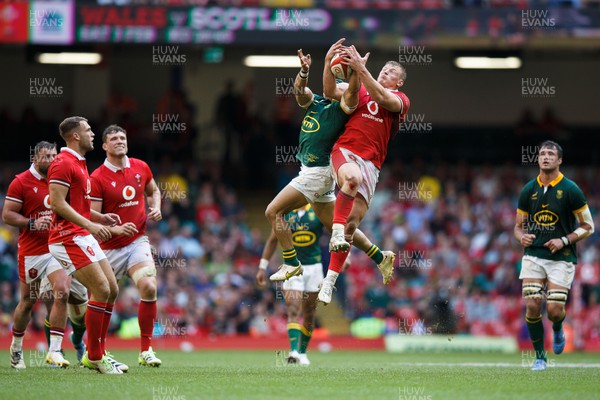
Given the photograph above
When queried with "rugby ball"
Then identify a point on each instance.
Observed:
(339, 70)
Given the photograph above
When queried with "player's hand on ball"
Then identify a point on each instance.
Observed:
(527, 239)
(261, 279)
(154, 214)
(334, 49)
(352, 58)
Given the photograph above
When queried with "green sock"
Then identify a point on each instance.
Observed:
(294, 335)
(557, 326)
(47, 329)
(305, 336)
(78, 331)
(375, 254)
(289, 257)
(536, 333)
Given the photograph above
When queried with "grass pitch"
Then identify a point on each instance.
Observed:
(336, 375)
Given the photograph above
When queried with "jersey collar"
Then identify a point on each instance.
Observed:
(114, 168)
(555, 182)
(73, 152)
(35, 173)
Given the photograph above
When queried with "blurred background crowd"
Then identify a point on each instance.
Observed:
(450, 223)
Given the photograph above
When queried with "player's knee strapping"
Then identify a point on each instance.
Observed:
(557, 296)
(146, 270)
(532, 290)
(77, 312)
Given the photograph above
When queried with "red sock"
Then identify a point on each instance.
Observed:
(94, 316)
(337, 261)
(342, 208)
(105, 324)
(146, 318)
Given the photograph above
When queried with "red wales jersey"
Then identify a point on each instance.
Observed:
(30, 190)
(370, 127)
(70, 170)
(121, 191)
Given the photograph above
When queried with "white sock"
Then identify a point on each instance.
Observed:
(55, 343)
(17, 343)
(332, 276)
(337, 228)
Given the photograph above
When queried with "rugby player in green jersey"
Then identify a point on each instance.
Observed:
(552, 215)
(300, 292)
(322, 125)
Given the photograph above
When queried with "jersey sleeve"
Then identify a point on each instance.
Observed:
(523, 203)
(577, 201)
(97, 192)
(60, 173)
(149, 175)
(15, 191)
(405, 105)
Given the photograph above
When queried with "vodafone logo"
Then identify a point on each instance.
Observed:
(373, 107)
(88, 188)
(128, 192)
(47, 201)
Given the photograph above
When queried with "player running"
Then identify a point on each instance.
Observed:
(71, 241)
(359, 152)
(27, 207)
(300, 292)
(550, 208)
(322, 125)
(121, 186)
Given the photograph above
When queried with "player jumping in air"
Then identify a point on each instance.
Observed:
(323, 123)
(549, 211)
(359, 152)
(300, 292)
(121, 186)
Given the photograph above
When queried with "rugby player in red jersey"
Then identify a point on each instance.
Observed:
(121, 186)
(27, 207)
(360, 151)
(72, 241)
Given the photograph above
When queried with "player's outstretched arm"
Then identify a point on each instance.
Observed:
(350, 98)
(154, 200)
(304, 95)
(59, 205)
(380, 95)
(268, 251)
(330, 88)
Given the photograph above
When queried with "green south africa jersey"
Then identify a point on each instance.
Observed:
(306, 233)
(550, 215)
(322, 125)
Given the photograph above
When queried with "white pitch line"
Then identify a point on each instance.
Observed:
(509, 365)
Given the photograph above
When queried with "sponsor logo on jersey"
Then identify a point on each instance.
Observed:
(373, 107)
(545, 218)
(310, 124)
(47, 201)
(304, 238)
(88, 186)
(128, 192)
